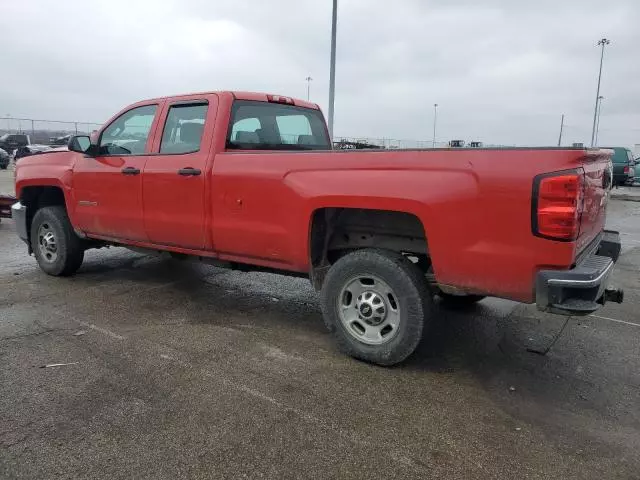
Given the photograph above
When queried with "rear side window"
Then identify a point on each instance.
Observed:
(275, 126)
(183, 129)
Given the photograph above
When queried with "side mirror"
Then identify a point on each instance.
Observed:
(79, 143)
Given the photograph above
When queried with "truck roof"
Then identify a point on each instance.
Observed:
(239, 95)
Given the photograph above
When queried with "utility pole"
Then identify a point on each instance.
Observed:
(435, 119)
(332, 69)
(308, 79)
(602, 42)
(599, 109)
(561, 128)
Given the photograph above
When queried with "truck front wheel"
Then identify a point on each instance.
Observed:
(377, 304)
(57, 248)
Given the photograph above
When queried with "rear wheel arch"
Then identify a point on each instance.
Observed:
(336, 231)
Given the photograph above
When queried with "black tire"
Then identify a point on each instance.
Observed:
(4, 167)
(459, 301)
(414, 303)
(69, 251)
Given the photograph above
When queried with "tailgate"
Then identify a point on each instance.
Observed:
(598, 176)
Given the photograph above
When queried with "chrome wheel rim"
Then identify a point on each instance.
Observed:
(47, 243)
(369, 310)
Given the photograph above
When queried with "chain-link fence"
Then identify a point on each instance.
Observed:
(48, 131)
(45, 131)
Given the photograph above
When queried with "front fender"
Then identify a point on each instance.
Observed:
(47, 170)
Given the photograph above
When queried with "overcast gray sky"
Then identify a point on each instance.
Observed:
(502, 71)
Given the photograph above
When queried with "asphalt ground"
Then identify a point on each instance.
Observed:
(182, 370)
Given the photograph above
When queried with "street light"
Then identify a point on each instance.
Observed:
(599, 109)
(435, 119)
(308, 79)
(332, 69)
(602, 42)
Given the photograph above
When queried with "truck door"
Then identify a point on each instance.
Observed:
(108, 187)
(174, 178)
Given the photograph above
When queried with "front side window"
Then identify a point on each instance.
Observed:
(128, 134)
(183, 129)
(274, 126)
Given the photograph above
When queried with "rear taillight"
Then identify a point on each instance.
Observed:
(626, 169)
(558, 206)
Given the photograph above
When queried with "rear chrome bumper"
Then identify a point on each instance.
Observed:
(584, 289)
(19, 215)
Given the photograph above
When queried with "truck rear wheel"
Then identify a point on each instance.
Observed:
(57, 248)
(376, 303)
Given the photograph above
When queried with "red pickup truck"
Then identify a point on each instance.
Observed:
(250, 181)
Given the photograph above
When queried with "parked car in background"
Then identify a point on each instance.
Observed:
(623, 166)
(636, 176)
(29, 150)
(64, 140)
(4, 159)
(351, 145)
(11, 141)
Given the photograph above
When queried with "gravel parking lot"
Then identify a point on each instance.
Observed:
(181, 370)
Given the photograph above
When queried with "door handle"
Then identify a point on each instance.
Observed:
(186, 172)
(130, 171)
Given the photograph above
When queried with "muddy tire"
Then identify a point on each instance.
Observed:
(58, 250)
(377, 304)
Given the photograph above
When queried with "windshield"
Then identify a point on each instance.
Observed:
(273, 126)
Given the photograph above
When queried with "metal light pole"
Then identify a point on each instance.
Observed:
(308, 79)
(602, 42)
(332, 69)
(599, 110)
(561, 128)
(435, 119)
